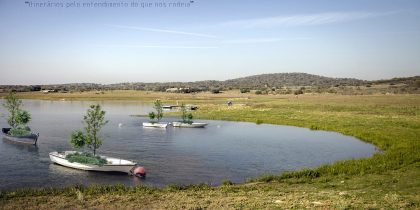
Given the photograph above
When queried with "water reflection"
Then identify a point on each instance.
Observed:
(22, 147)
(64, 171)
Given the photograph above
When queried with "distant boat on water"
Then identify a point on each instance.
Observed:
(155, 125)
(190, 107)
(189, 125)
(168, 106)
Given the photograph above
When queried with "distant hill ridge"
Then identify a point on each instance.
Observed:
(290, 79)
(262, 81)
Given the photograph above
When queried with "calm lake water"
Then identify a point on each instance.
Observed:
(223, 150)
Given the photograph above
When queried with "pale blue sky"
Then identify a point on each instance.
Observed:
(210, 40)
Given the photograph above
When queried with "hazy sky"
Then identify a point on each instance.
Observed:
(206, 40)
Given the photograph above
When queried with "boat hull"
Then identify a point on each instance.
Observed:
(187, 125)
(155, 125)
(114, 164)
(31, 139)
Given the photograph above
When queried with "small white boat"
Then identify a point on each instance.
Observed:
(155, 125)
(168, 107)
(187, 125)
(113, 164)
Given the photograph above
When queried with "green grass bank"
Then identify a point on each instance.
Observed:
(389, 179)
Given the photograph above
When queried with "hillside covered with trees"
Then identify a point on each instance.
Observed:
(276, 83)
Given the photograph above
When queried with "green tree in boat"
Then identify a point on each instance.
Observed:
(94, 120)
(18, 118)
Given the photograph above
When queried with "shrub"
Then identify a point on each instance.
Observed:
(215, 90)
(227, 182)
(86, 158)
(417, 84)
(332, 90)
(314, 127)
(152, 115)
(78, 139)
(20, 131)
(258, 92)
(298, 92)
(23, 117)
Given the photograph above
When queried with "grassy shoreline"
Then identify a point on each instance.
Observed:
(386, 180)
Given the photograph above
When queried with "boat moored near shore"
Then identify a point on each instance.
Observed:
(112, 164)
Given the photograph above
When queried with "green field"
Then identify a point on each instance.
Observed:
(390, 179)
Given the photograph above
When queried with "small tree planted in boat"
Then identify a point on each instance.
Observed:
(94, 120)
(186, 117)
(18, 118)
(159, 111)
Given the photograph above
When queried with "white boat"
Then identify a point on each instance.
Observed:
(155, 125)
(168, 107)
(113, 164)
(188, 125)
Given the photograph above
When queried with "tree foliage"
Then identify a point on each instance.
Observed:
(215, 90)
(13, 105)
(78, 139)
(159, 111)
(186, 117)
(152, 115)
(94, 120)
(245, 90)
(276, 81)
(299, 92)
(23, 117)
(18, 117)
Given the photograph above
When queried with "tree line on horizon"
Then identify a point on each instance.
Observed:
(277, 83)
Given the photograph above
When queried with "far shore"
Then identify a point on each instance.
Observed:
(201, 97)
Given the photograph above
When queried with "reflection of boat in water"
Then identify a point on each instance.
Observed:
(64, 171)
(29, 148)
(112, 165)
(188, 125)
(155, 125)
(24, 147)
(29, 139)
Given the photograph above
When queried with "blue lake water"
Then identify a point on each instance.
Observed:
(223, 150)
